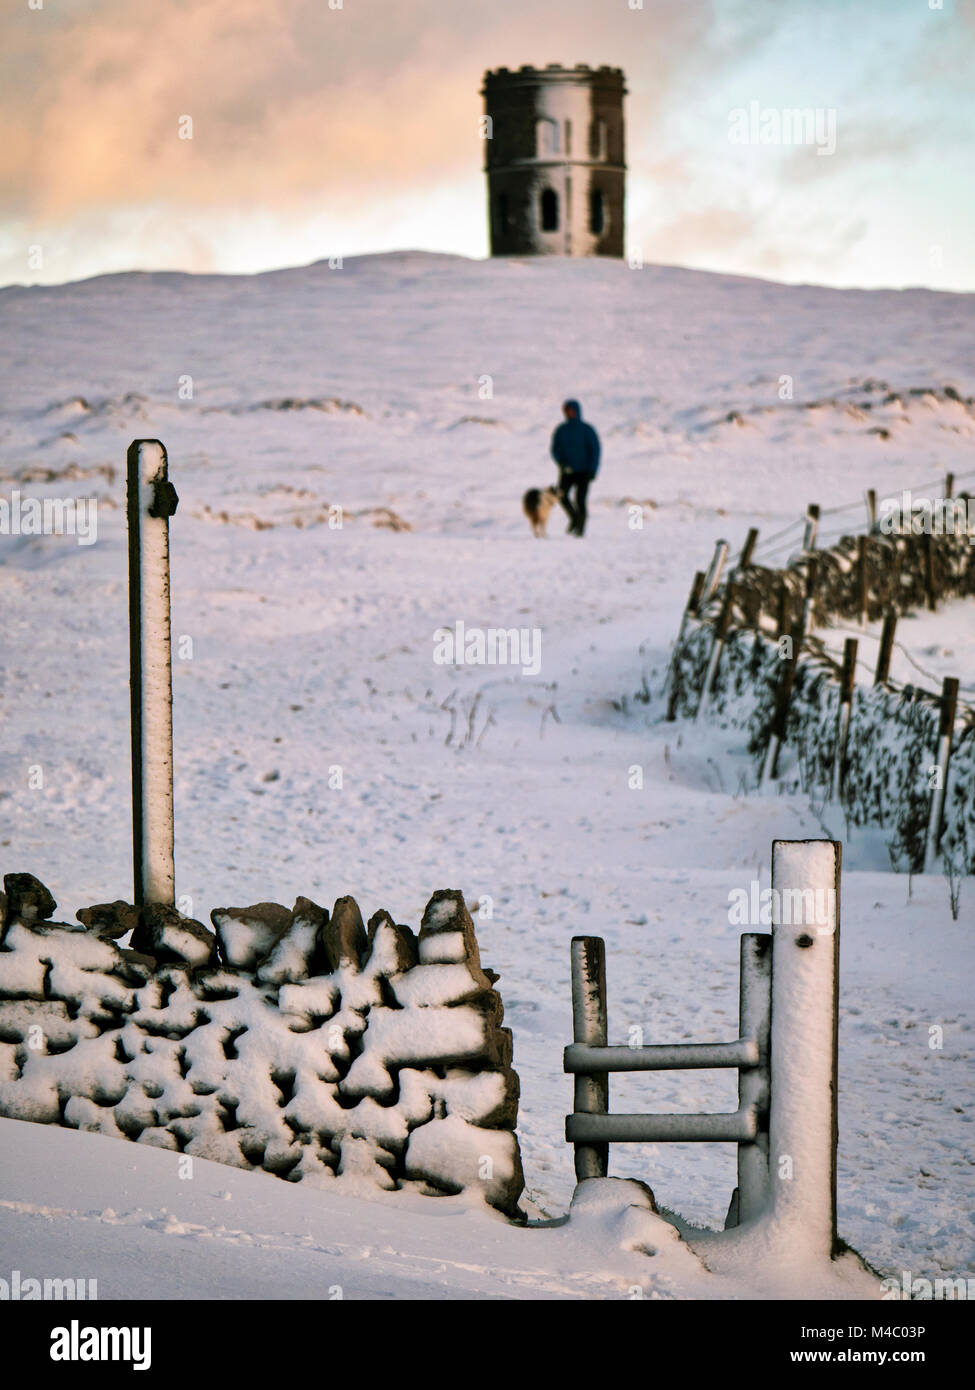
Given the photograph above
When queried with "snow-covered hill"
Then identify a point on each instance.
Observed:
(417, 393)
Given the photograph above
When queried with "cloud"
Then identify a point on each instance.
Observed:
(752, 238)
(288, 98)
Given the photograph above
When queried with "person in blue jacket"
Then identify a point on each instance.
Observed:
(575, 448)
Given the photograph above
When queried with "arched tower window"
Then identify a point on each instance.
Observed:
(598, 140)
(597, 212)
(546, 136)
(550, 210)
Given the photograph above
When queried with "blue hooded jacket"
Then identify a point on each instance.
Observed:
(575, 445)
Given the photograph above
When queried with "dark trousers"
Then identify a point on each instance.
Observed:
(577, 483)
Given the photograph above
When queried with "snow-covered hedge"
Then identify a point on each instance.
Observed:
(891, 743)
(299, 1042)
(892, 737)
(896, 577)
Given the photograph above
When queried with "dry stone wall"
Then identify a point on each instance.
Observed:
(300, 1042)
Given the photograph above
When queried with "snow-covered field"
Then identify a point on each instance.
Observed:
(129, 1221)
(422, 390)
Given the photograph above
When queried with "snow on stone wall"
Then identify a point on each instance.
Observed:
(298, 1042)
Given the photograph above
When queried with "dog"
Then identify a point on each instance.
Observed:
(538, 503)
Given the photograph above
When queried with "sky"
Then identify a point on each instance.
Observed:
(341, 127)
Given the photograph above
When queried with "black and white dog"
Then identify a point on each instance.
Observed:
(538, 503)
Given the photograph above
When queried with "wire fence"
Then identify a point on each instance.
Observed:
(747, 651)
(776, 545)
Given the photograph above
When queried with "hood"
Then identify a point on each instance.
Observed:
(574, 405)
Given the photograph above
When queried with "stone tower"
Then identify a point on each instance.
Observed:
(555, 160)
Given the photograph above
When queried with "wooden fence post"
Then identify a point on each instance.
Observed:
(693, 603)
(694, 597)
(720, 634)
(946, 726)
(862, 586)
(754, 1010)
(812, 574)
(589, 1025)
(783, 609)
(847, 682)
(151, 501)
(886, 648)
(929, 580)
(748, 549)
(713, 578)
(895, 570)
(812, 526)
(949, 485)
(872, 508)
(803, 1055)
(781, 715)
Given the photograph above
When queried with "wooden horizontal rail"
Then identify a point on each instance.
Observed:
(581, 1057)
(737, 1127)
